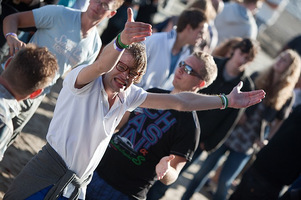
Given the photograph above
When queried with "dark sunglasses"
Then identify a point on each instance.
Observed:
(189, 69)
(120, 66)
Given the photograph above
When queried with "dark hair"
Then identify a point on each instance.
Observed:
(248, 46)
(192, 17)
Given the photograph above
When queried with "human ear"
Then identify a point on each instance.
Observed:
(35, 93)
(202, 84)
(7, 62)
(112, 13)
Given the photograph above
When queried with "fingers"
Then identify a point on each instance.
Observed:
(15, 45)
(130, 15)
(255, 97)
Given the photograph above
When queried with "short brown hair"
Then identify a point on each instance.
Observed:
(32, 68)
(192, 17)
(137, 50)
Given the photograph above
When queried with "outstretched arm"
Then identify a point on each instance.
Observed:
(188, 101)
(132, 32)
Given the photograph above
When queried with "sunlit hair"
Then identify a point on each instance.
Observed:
(192, 17)
(117, 4)
(206, 6)
(137, 50)
(32, 68)
(225, 49)
(208, 71)
(277, 94)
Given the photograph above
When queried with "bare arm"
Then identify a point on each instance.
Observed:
(133, 32)
(11, 23)
(169, 167)
(188, 101)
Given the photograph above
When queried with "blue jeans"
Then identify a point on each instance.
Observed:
(99, 189)
(42, 193)
(233, 165)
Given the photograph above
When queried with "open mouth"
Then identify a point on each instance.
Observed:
(120, 83)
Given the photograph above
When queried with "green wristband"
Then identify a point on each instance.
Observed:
(120, 43)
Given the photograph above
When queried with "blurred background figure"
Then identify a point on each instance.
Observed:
(237, 20)
(269, 13)
(257, 125)
(276, 165)
(211, 8)
(147, 10)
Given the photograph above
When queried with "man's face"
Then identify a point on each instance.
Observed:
(122, 75)
(184, 81)
(196, 35)
(101, 9)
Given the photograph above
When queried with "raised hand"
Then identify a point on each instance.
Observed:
(163, 166)
(238, 99)
(134, 31)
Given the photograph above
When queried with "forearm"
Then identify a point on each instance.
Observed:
(193, 101)
(185, 101)
(10, 24)
(104, 63)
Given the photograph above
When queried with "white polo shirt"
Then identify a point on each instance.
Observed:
(83, 124)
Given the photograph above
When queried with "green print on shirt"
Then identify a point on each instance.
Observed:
(136, 160)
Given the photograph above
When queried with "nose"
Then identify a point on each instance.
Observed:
(181, 70)
(126, 74)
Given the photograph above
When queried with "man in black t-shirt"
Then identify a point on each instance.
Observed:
(153, 144)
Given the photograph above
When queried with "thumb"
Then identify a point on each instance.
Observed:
(239, 86)
(171, 157)
(130, 15)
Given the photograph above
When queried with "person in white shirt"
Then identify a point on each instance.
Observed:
(90, 105)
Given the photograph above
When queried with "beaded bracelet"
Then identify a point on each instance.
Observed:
(117, 47)
(12, 34)
(124, 46)
(224, 100)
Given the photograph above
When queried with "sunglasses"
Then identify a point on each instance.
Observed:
(189, 69)
(123, 67)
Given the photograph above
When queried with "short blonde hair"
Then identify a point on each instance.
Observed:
(208, 71)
